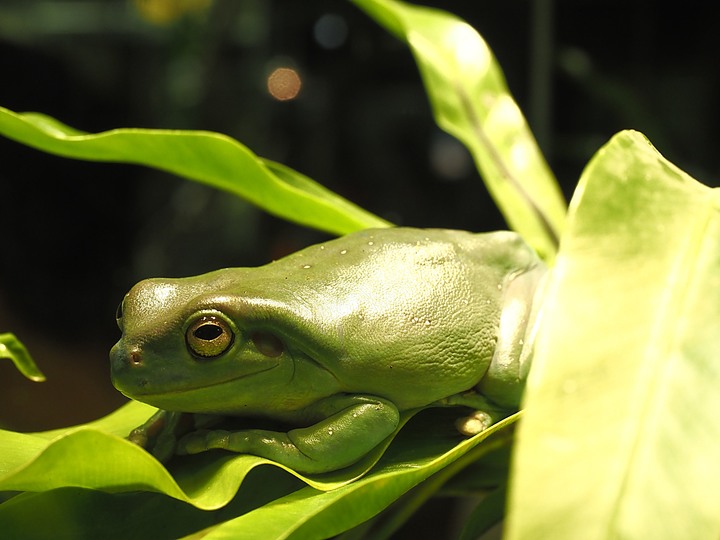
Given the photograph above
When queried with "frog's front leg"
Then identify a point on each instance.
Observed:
(352, 425)
(160, 433)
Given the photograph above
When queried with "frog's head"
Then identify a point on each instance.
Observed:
(186, 346)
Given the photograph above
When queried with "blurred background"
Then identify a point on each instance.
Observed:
(76, 236)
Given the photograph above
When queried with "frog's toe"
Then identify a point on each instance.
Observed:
(164, 448)
(138, 436)
(202, 440)
(475, 423)
(193, 443)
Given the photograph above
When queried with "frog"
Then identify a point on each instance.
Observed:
(333, 342)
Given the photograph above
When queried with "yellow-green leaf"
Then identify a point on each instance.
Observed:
(621, 435)
(12, 349)
(206, 157)
(471, 101)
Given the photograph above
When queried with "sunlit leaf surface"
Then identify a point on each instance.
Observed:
(471, 101)
(621, 436)
(12, 349)
(62, 464)
(209, 158)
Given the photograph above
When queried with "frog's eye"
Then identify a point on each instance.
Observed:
(209, 336)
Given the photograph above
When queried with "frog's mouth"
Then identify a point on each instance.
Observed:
(140, 388)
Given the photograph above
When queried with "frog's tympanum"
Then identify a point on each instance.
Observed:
(333, 341)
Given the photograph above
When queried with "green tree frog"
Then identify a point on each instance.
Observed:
(334, 341)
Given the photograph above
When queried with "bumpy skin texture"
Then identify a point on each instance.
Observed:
(335, 339)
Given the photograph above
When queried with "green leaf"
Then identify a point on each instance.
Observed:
(83, 513)
(96, 456)
(417, 455)
(621, 436)
(479, 472)
(80, 456)
(63, 463)
(209, 158)
(12, 349)
(471, 101)
(486, 515)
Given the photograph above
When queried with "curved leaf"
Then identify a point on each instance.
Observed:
(308, 513)
(471, 101)
(621, 436)
(82, 513)
(96, 456)
(93, 456)
(12, 349)
(209, 158)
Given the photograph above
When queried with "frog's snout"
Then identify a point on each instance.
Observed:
(124, 361)
(123, 357)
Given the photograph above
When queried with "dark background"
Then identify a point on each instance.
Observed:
(75, 236)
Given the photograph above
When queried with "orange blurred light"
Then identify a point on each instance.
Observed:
(167, 11)
(284, 84)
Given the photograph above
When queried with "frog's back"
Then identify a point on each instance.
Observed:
(411, 314)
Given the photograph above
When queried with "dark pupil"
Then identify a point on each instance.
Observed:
(208, 332)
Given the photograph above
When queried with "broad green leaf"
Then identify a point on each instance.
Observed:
(486, 515)
(62, 464)
(82, 513)
(471, 101)
(209, 158)
(484, 470)
(96, 456)
(621, 434)
(12, 349)
(309, 513)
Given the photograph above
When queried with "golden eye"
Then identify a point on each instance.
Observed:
(209, 336)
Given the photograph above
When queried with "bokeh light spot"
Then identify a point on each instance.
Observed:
(330, 31)
(449, 158)
(163, 12)
(284, 84)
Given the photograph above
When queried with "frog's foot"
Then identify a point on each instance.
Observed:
(159, 434)
(140, 437)
(474, 423)
(202, 440)
(484, 415)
